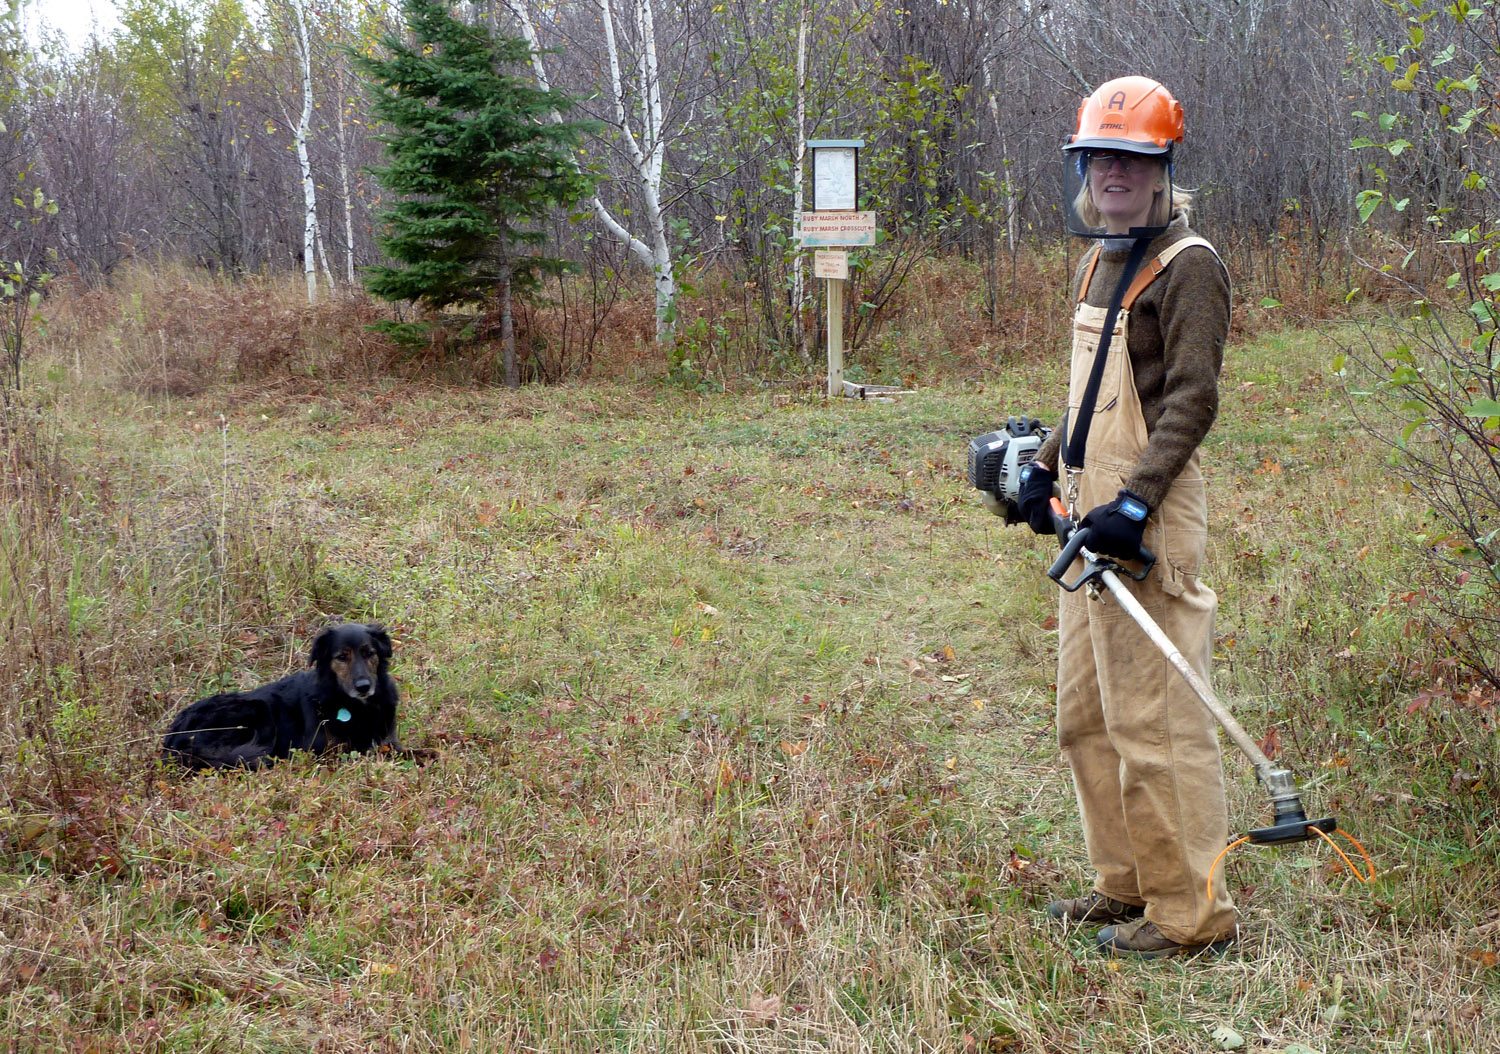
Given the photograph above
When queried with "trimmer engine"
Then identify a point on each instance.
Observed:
(995, 461)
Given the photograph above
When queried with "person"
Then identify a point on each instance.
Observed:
(1142, 749)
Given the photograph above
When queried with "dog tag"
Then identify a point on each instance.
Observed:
(343, 714)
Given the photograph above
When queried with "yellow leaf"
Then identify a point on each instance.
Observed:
(979, 704)
(793, 750)
(947, 653)
(951, 763)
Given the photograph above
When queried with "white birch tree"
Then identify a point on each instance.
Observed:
(299, 132)
(799, 281)
(643, 138)
(342, 141)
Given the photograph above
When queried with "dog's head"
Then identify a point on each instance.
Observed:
(356, 655)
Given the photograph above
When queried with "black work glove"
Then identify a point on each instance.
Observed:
(1034, 497)
(1116, 529)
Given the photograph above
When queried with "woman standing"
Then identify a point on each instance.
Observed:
(1143, 751)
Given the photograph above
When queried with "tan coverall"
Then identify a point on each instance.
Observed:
(1143, 750)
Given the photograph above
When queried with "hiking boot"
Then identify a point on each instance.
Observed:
(1144, 940)
(1095, 907)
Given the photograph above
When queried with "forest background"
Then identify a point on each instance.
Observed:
(203, 132)
(742, 706)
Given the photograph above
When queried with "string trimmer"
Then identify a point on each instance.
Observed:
(1289, 819)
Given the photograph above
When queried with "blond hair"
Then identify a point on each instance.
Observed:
(1162, 212)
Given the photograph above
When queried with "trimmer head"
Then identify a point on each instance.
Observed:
(1284, 832)
(1291, 822)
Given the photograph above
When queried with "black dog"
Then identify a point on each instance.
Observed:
(345, 702)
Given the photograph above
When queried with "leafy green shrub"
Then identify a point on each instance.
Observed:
(1424, 373)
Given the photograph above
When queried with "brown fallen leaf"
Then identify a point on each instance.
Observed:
(1271, 745)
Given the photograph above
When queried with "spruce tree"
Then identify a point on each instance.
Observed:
(478, 157)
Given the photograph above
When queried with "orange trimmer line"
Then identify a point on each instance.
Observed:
(1347, 862)
(1342, 855)
(1222, 854)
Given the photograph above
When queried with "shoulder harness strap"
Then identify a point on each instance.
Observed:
(1154, 268)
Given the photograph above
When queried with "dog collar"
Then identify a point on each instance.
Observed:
(344, 714)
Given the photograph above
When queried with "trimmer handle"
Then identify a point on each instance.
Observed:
(1062, 523)
(1073, 540)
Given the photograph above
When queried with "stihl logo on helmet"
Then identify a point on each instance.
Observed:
(1129, 113)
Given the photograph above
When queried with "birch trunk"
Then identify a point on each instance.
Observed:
(322, 253)
(309, 188)
(343, 148)
(646, 153)
(799, 261)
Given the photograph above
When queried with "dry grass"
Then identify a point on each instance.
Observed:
(173, 331)
(744, 718)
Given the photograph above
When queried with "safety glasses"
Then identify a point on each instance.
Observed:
(1128, 164)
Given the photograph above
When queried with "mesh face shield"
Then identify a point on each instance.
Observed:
(1105, 182)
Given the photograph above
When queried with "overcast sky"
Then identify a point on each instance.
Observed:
(73, 18)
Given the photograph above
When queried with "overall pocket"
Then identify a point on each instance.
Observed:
(1184, 527)
(1086, 335)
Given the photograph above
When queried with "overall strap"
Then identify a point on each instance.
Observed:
(1154, 268)
(1088, 276)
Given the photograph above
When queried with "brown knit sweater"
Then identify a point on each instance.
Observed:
(1176, 341)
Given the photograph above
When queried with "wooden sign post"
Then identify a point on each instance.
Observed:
(835, 221)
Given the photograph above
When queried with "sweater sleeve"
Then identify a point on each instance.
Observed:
(1050, 452)
(1194, 315)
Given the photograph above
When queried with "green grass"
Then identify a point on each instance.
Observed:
(744, 715)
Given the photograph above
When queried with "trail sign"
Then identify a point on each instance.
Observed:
(837, 228)
(830, 263)
(835, 167)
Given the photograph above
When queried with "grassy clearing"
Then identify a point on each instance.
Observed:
(745, 719)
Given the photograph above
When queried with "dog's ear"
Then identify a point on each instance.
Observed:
(382, 640)
(322, 648)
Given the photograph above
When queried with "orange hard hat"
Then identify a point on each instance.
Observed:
(1135, 114)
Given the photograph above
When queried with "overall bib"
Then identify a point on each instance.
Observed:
(1143, 750)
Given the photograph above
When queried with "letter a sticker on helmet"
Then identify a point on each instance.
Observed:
(1117, 101)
